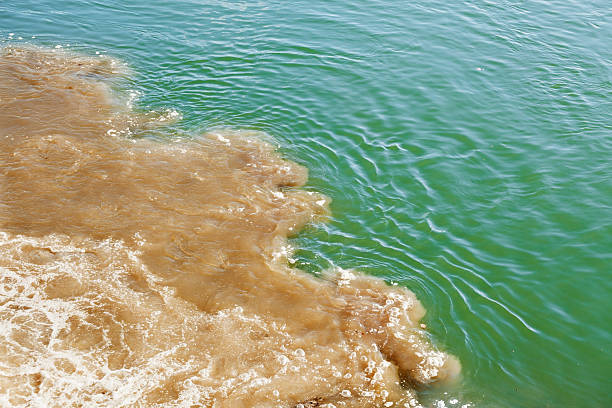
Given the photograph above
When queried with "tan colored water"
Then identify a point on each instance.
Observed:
(140, 273)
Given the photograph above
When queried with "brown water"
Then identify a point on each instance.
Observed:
(143, 273)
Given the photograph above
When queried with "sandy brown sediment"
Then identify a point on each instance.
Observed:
(140, 273)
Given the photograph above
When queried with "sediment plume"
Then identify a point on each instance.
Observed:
(142, 272)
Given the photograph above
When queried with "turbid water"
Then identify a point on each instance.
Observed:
(458, 151)
(146, 273)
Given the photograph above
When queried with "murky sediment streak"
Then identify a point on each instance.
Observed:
(142, 273)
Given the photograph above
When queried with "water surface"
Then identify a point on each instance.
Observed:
(465, 148)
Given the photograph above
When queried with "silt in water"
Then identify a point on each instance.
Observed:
(139, 272)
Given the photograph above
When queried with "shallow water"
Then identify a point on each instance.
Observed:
(465, 148)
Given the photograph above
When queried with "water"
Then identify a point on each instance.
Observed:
(465, 148)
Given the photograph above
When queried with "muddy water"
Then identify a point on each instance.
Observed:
(136, 272)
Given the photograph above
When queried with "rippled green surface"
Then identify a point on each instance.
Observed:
(467, 148)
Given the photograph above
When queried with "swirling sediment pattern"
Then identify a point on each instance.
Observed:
(465, 148)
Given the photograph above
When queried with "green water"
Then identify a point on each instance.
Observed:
(467, 148)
